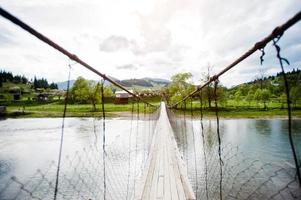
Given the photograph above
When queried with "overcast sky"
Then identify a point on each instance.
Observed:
(147, 38)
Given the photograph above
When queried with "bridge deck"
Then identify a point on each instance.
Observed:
(164, 176)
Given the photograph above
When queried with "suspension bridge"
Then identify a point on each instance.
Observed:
(164, 176)
(157, 169)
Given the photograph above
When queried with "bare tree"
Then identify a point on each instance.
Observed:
(209, 90)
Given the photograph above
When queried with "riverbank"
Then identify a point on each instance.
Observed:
(28, 109)
(74, 110)
(124, 111)
(242, 114)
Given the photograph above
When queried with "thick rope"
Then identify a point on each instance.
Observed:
(204, 145)
(219, 141)
(62, 137)
(288, 101)
(103, 139)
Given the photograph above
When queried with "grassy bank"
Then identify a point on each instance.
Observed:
(55, 109)
(27, 109)
(241, 113)
(243, 109)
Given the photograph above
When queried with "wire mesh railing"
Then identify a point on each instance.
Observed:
(81, 173)
(245, 175)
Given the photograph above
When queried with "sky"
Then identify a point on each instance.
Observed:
(148, 38)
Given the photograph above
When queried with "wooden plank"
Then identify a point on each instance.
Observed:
(164, 176)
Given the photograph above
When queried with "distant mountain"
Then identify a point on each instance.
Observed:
(157, 80)
(145, 82)
(63, 85)
(142, 82)
(136, 82)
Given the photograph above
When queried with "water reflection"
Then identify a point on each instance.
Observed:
(263, 127)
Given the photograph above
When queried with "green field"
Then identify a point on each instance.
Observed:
(55, 109)
(242, 109)
(231, 109)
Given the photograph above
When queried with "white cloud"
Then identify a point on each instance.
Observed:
(139, 38)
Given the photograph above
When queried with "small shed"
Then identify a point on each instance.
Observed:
(122, 97)
(16, 92)
(41, 97)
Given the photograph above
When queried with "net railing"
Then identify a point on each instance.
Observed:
(81, 173)
(244, 176)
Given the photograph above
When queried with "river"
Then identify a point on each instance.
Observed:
(30, 144)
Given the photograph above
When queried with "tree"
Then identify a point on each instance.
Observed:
(40, 83)
(208, 92)
(53, 86)
(295, 94)
(282, 100)
(84, 91)
(265, 97)
(179, 87)
(257, 96)
(221, 95)
(249, 97)
(107, 91)
(94, 94)
(237, 97)
(80, 90)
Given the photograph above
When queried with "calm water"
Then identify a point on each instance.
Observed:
(255, 154)
(30, 144)
(263, 139)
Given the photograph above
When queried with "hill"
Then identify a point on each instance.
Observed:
(274, 84)
(130, 83)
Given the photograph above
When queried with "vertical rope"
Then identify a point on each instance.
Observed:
(103, 139)
(149, 131)
(219, 141)
(289, 111)
(204, 147)
(182, 131)
(185, 137)
(130, 145)
(261, 62)
(194, 151)
(136, 146)
(144, 135)
(62, 137)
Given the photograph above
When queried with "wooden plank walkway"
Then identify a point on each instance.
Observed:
(164, 176)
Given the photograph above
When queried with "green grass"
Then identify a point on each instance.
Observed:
(242, 113)
(229, 110)
(242, 109)
(55, 109)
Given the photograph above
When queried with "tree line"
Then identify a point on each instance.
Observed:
(18, 79)
(9, 77)
(43, 83)
(259, 92)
